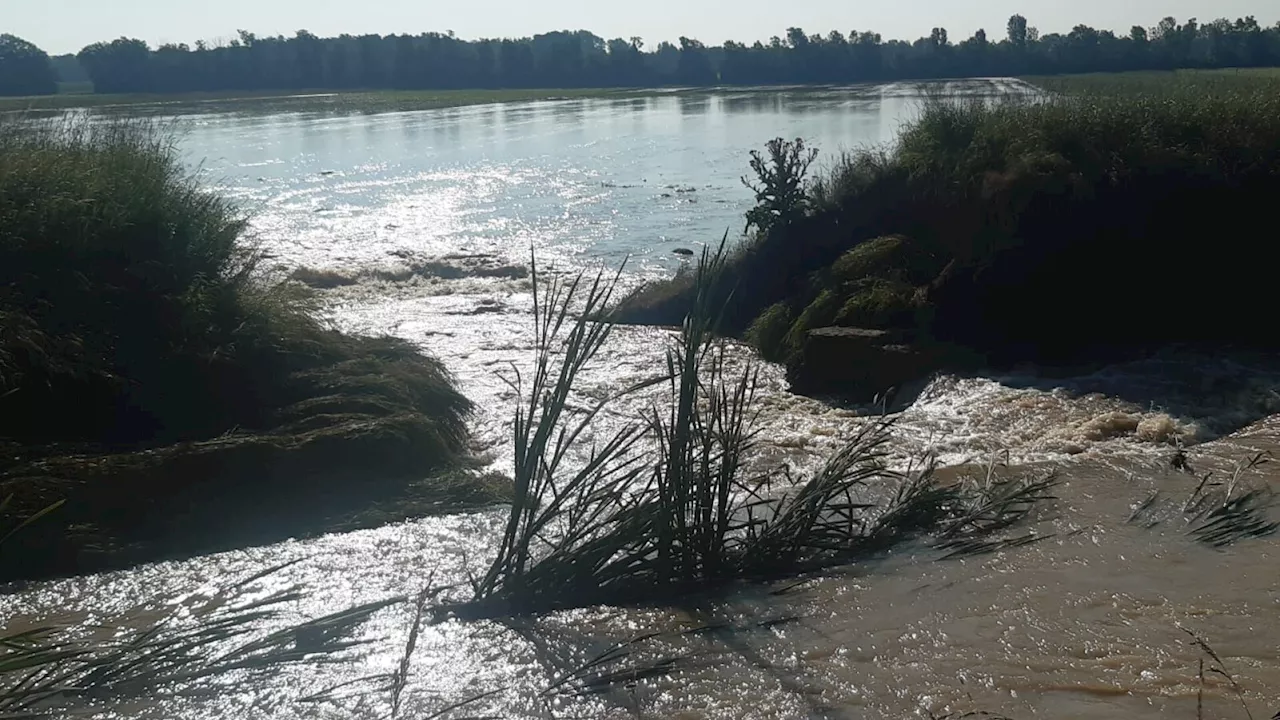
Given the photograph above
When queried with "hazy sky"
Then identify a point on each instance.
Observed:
(67, 25)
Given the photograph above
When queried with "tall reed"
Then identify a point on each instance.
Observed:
(548, 500)
(667, 503)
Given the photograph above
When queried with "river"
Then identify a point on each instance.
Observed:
(1095, 620)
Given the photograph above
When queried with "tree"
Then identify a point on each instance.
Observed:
(121, 66)
(25, 69)
(1018, 31)
(1165, 28)
(582, 59)
(626, 63)
(796, 38)
(68, 70)
(694, 67)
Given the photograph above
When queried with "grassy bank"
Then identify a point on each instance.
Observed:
(304, 101)
(1118, 213)
(175, 401)
(1156, 82)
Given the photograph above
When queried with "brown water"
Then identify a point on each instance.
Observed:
(1091, 621)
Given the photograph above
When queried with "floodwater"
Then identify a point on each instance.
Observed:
(1096, 619)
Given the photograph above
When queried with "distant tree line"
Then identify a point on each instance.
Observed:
(25, 69)
(581, 59)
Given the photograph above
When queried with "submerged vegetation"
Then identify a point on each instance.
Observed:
(156, 382)
(1116, 214)
(49, 670)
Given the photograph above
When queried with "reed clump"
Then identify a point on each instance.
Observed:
(667, 504)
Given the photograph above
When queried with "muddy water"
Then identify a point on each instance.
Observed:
(1093, 620)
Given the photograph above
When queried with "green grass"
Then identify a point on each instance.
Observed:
(305, 101)
(1161, 82)
(154, 380)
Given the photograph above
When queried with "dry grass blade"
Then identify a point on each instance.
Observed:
(996, 504)
(608, 681)
(970, 547)
(991, 506)
(1217, 667)
(614, 653)
(823, 521)
(464, 703)
(400, 679)
(1239, 518)
(1142, 508)
(1220, 515)
(4, 504)
(567, 325)
(603, 671)
(918, 505)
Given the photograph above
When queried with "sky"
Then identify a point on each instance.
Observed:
(61, 26)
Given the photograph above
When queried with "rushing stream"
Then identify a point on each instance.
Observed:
(1094, 620)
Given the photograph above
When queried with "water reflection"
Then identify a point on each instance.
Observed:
(691, 104)
(632, 104)
(568, 112)
(1084, 623)
(752, 102)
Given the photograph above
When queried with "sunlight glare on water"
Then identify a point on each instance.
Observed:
(1084, 623)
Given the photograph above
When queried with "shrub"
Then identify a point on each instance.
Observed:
(779, 184)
